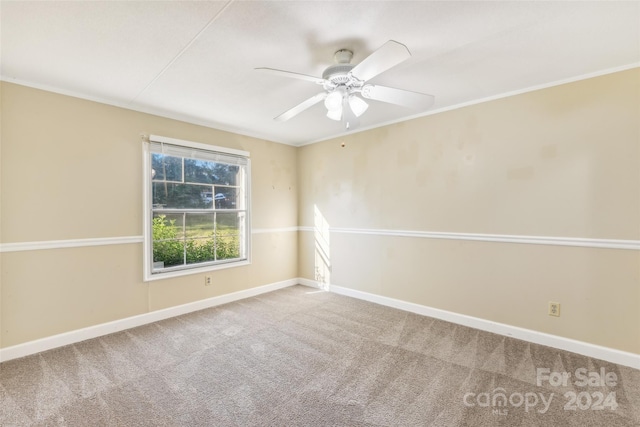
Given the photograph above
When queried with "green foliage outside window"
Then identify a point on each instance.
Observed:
(170, 249)
(165, 246)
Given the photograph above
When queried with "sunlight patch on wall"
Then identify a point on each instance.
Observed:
(322, 268)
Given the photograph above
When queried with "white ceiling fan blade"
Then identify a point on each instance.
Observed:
(388, 55)
(406, 98)
(290, 74)
(349, 119)
(301, 107)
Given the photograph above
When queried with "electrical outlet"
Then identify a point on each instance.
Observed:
(554, 309)
(208, 280)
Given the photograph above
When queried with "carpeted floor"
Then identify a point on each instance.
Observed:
(302, 357)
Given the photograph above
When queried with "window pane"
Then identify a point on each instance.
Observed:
(204, 172)
(168, 244)
(178, 196)
(201, 250)
(200, 225)
(226, 198)
(167, 226)
(203, 242)
(166, 168)
(227, 236)
(206, 194)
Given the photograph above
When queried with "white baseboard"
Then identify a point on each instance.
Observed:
(586, 349)
(604, 353)
(55, 341)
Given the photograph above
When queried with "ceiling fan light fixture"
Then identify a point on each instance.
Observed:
(335, 114)
(333, 101)
(358, 105)
(345, 85)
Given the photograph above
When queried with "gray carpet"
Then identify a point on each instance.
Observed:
(301, 357)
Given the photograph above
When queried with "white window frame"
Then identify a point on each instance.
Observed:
(148, 211)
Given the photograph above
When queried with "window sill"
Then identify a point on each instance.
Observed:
(149, 277)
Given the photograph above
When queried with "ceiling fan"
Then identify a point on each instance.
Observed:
(343, 82)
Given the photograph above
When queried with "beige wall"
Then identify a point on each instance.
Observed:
(71, 169)
(563, 161)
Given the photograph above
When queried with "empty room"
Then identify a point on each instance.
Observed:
(319, 213)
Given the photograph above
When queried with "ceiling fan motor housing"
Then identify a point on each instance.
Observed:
(338, 74)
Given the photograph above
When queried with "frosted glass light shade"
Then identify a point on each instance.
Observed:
(333, 101)
(335, 114)
(358, 105)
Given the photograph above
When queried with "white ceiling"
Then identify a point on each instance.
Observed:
(195, 61)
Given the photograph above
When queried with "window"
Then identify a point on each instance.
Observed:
(196, 199)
